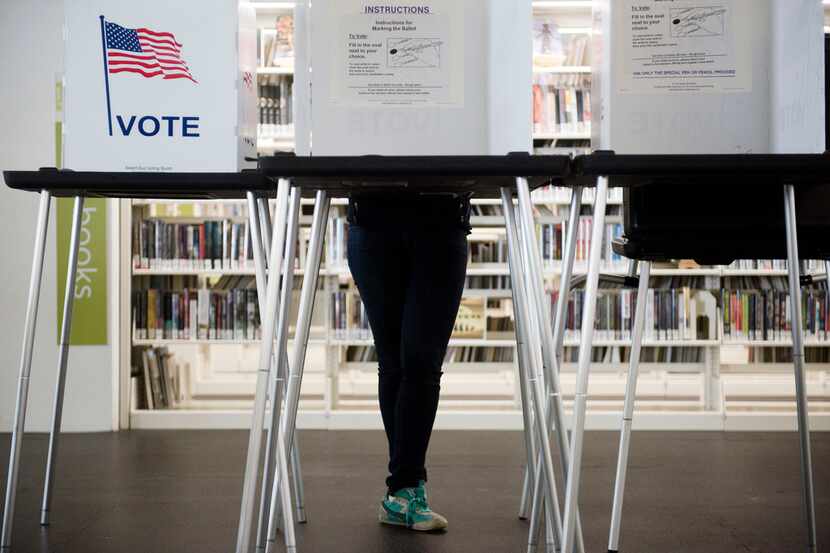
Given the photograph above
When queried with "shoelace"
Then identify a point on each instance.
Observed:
(416, 505)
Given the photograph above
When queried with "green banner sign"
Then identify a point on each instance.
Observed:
(89, 314)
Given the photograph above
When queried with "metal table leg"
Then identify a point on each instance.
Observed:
(521, 301)
(561, 307)
(284, 267)
(269, 328)
(586, 342)
(294, 461)
(63, 359)
(554, 409)
(798, 364)
(628, 407)
(306, 308)
(526, 398)
(25, 367)
(533, 275)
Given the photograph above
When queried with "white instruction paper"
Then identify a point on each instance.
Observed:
(398, 53)
(683, 46)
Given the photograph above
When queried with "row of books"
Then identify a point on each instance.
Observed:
(213, 209)
(812, 266)
(552, 238)
(349, 320)
(196, 314)
(785, 355)
(558, 110)
(158, 380)
(670, 315)
(487, 354)
(487, 282)
(559, 195)
(212, 245)
(276, 107)
(766, 315)
(466, 354)
(622, 354)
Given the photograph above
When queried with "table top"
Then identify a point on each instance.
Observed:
(65, 183)
(482, 176)
(751, 169)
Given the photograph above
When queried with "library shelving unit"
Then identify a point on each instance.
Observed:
(694, 374)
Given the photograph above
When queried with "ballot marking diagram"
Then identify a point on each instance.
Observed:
(706, 21)
(414, 52)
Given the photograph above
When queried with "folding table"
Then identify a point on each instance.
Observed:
(712, 208)
(63, 183)
(482, 176)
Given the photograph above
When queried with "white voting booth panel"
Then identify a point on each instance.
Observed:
(160, 86)
(436, 77)
(712, 77)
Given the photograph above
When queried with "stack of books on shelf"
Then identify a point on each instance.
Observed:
(349, 320)
(561, 90)
(559, 195)
(552, 238)
(671, 314)
(157, 380)
(177, 308)
(560, 111)
(336, 250)
(812, 266)
(276, 105)
(487, 282)
(487, 354)
(765, 315)
(211, 245)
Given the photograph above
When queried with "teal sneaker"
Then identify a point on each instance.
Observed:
(408, 507)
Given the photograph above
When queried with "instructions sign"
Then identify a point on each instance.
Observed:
(683, 46)
(398, 53)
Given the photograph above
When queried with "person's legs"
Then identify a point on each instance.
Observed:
(437, 267)
(378, 262)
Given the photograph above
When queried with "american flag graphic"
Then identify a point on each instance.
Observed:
(146, 52)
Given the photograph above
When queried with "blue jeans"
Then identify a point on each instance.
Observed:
(410, 276)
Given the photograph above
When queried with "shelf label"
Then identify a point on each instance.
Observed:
(670, 46)
(398, 54)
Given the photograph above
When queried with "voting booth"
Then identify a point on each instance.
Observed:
(160, 86)
(160, 101)
(709, 111)
(424, 96)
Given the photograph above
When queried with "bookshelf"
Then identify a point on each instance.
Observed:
(705, 381)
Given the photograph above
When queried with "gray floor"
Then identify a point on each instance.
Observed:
(157, 492)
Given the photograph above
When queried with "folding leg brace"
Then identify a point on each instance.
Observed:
(550, 347)
(586, 342)
(559, 329)
(306, 308)
(525, 313)
(26, 362)
(269, 312)
(630, 396)
(279, 371)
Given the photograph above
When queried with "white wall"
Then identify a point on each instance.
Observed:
(31, 47)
